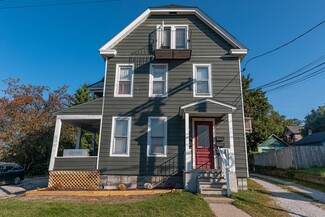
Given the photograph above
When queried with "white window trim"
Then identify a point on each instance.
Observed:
(129, 119)
(209, 82)
(151, 79)
(149, 137)
(173, 36)
(117, 78)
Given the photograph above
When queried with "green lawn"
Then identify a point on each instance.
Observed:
(315, 171)
(256, 202)
(172, 204)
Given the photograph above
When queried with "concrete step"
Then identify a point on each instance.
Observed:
(210, 175)
(213, 185)
(211, 191)
(211, 179)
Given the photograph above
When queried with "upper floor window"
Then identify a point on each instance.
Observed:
(121, 136)
(202, 86)
(157, 137)
(158, 83)
(124, 80)
(172, 37)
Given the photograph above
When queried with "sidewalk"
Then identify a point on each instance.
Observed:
(222, 207)
(317, 195)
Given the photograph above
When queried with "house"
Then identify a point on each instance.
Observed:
(292, 134)
(169, 109)
(271, 143)
(312, 140)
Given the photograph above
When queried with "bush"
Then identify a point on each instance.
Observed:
(291, 172)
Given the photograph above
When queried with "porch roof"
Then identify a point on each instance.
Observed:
(93, 107)
(207, 107)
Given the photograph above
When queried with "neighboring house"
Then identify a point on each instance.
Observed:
(271, 143)
(172, 94)
(312, 140)
(292, 134)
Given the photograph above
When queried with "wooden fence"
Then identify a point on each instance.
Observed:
(293, 156)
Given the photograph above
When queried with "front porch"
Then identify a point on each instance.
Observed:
(209, 147)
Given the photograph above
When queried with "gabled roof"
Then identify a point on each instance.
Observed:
(312, 139)
(206, 105)
(239, 48)
(273, 141)
(99, 85)
(295, 129)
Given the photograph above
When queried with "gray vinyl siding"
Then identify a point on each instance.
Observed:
(89, 108)
(84, 163)
(136, 49)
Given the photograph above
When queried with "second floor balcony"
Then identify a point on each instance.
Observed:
(173, 42)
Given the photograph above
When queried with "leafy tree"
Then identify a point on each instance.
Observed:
(27, 123)
(315, 121)
(82, 95)
(265, 120)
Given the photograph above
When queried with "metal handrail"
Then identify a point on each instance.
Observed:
(225, 162)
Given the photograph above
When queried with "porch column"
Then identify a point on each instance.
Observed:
(188, 153)
(78, 138)
(232, 167)
(92, 147)
(55, 145)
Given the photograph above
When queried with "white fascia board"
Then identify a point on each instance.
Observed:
(78, 117)
(238, 52)
(201, 15)
(108, 53)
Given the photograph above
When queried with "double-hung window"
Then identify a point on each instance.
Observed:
(158, 83)
(202, 86)
(157, 137)
(172, 37)
(124, 80)
(120, 139)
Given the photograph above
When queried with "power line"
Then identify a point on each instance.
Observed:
(275, 49)
(288, 78)
(57, 4)
(291, 74)
(305, 78)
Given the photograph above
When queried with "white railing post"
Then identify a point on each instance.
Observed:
(225, 161)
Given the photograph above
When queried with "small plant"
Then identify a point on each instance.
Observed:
(291, 172)
(148, 186)
(121, 187)
(57, 186)
(170, 185)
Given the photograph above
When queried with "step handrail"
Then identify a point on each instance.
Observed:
(224, 154)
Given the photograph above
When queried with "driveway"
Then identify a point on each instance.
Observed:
(294, 204)
(7, 191)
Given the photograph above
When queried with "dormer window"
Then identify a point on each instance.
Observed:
(172, 37)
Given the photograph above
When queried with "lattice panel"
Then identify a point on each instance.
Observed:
(74, 179)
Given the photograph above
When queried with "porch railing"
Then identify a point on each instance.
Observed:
(224, 154)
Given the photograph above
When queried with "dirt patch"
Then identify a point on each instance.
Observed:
(106, 200)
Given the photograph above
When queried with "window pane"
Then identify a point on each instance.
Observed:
(157, 146)
(158, 87)
(202, 87)
(124, 87)
(180, 38)
(166, 38)
(157, 128)
(125, 73)
(202, 73)
(203, 138)
(159, 72)
(120, 146)
(121, 128)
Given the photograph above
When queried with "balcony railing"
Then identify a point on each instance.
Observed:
(173, 44)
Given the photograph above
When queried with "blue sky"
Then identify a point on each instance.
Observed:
(58, 45)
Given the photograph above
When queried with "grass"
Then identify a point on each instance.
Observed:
(290, 189)
(172, 204)
(256, 201)
(312, 185)
(315, 171)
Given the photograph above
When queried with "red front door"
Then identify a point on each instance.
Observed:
(204, 145)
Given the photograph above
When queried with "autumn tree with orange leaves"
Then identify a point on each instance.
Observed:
(27, 123)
